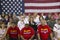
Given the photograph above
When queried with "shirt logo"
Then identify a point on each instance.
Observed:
(13, 31)
(27, 31)
(44, 30)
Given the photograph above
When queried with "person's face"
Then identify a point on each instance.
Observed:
(3, 14)
(56, 14)
(22, 18)
(6, 16)
(31, 19)
(35, 14)
(9, 14)
(13, 25)
(59, 15)
(43, 22)
(14, 15)
(59, 22)
(52, 18)
(10, 20)
(3, 25)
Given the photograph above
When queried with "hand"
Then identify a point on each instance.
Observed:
(39, 39)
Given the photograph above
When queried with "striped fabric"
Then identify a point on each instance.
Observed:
(30, 6)
(42, 6)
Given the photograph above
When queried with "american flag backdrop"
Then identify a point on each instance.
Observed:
(42, 6)
(30, 6)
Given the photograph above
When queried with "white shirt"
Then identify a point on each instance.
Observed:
(57, 29)
(36, 20)
(2, 32)
(26, 20)
(21, 24)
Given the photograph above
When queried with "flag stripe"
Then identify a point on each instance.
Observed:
(43, 4)
(51, 7)
(41, 1)
(41, 10)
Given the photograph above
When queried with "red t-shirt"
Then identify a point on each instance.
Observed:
(27, 32)
(13, 32)
(44, 31)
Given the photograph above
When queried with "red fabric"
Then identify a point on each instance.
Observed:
(13, 32)
(44, 31)
(27, 32)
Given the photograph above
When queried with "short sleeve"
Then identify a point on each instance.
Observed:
(55, 29)
(8, 31)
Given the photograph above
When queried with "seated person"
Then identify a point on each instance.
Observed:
(27, 33)
(2, 31)
(13, 32)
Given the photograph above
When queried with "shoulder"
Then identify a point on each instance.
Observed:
(55, 25)
(24, 28)
(9, 28)
(39, 25)
(19, 21)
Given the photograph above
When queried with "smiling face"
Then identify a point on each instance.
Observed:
(43, 22)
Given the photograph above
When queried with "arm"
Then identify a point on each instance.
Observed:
(32, 34)
(55, 33)
(31, 37)
(18, 33)
(22, 37)
(18, 36)
(51, 36)
(21, 32)
(7, 33)
(38, 36)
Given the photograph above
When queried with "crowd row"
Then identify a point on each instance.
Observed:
(29, 27)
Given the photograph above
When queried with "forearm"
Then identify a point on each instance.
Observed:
(32, 37)
(38, 36)
(22, 37)
(55, 34)
(51, 35)
(18, 37)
